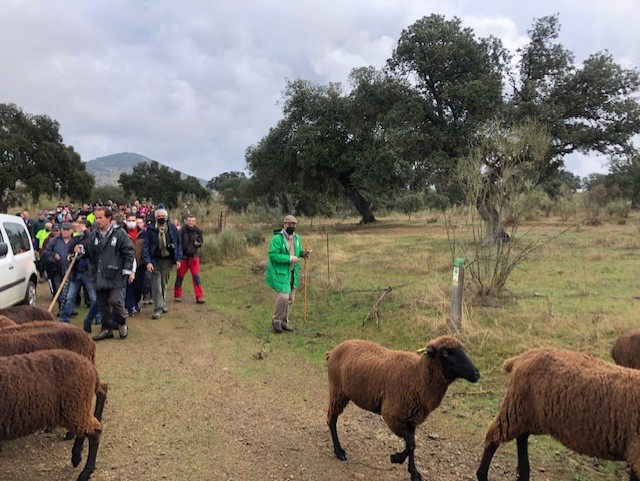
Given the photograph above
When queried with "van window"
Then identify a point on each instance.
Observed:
(18, 237)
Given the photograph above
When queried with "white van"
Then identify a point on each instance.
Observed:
(18, 273)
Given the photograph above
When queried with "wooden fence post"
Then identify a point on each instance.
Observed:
(457, 284)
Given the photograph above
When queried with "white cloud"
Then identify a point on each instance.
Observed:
(193, 83)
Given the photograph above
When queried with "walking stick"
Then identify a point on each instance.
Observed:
(304, 317)
(64, 280)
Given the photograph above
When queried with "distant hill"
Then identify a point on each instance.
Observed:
(107, 169)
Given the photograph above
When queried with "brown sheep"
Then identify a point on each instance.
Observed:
(403, 387)
(40, 335)
(6, 322)
(52, 388)
(22, 314)
(587, 404)
(626, 350)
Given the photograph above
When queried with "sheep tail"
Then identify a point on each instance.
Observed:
(508, 364)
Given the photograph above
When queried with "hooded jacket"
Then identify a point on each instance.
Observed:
(278, 275)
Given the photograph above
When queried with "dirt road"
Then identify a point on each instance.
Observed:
(190, 399)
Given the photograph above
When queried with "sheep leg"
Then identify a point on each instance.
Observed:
(633, 476)
(523, 457)
(94, 442)
(76, 451)
(101, 397)
(485, 462)
(410, 441)
(337, 448)
(337, 403)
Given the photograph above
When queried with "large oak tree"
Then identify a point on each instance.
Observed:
(33, 156)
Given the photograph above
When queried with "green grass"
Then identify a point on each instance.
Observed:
(577, 292)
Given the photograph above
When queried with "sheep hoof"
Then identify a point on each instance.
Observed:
(398, 458)
(341, 454)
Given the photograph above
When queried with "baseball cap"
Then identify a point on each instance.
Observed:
(290, 218)
(66, 225)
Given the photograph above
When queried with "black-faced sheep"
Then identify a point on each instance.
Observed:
(22, 314)
(626, 350)
(40, 335)
(589, 405)
(403, 387)
(52, 388)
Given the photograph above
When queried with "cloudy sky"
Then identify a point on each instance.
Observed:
(193, 83)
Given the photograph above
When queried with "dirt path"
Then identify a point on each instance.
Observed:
(189, 400)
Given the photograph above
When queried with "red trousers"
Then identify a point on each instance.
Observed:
(188, 264)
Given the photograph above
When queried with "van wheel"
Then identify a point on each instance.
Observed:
(30, 295)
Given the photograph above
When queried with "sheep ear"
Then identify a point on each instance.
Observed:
(431, 351)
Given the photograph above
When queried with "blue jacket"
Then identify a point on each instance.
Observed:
(150, 249)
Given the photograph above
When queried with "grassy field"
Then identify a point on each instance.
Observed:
(577, 292)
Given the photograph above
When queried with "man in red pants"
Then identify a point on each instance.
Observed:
(191, 241)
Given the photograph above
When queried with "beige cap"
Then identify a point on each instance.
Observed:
(290, 218)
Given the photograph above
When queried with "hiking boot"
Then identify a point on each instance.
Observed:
(277, 327)
(286, 327)
(165, 310)
(177, 299)
(155, 315)
(103, 334)
(123, 330)
(200, 301)
(86, 326)
(137, 308)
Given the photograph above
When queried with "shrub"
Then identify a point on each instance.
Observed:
(227, 245)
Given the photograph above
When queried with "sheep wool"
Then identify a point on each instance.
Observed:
(40, 335)
(23, 314)
(587, 404)
(52, 388)
(403, 387)
(6, 322)
(626, 350)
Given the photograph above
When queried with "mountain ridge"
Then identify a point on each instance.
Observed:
(107, 169)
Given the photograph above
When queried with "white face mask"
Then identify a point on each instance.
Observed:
(131, 224)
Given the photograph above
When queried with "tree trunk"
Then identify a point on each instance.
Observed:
(491, 217)
(361, 204)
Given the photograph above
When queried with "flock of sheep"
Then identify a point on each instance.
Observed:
(49, 379)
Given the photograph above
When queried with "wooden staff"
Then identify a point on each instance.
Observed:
(64, 279)
(304, 317)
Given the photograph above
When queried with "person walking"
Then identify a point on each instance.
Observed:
(133, 294)
(192, 239)
(110, 251)
(162, 249)
(59, 248)
(80, 276)
(283, 271)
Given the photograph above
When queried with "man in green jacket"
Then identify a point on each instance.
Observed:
(283, 270)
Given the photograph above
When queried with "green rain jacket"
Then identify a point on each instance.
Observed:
(278, 275)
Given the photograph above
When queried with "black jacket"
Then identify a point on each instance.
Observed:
(111, 257)
(191, 235)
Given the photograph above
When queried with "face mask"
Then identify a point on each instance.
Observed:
(290, 230)
(161, 220)
(131, 224)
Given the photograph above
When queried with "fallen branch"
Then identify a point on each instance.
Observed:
(374, 311)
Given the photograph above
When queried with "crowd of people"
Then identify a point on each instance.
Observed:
(116, 258)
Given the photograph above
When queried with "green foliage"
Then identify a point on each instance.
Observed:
(235, 192)
(410, 203)
(155, 182)
(33, 155)
(223, 247)
(216, 182)
(105, 193)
